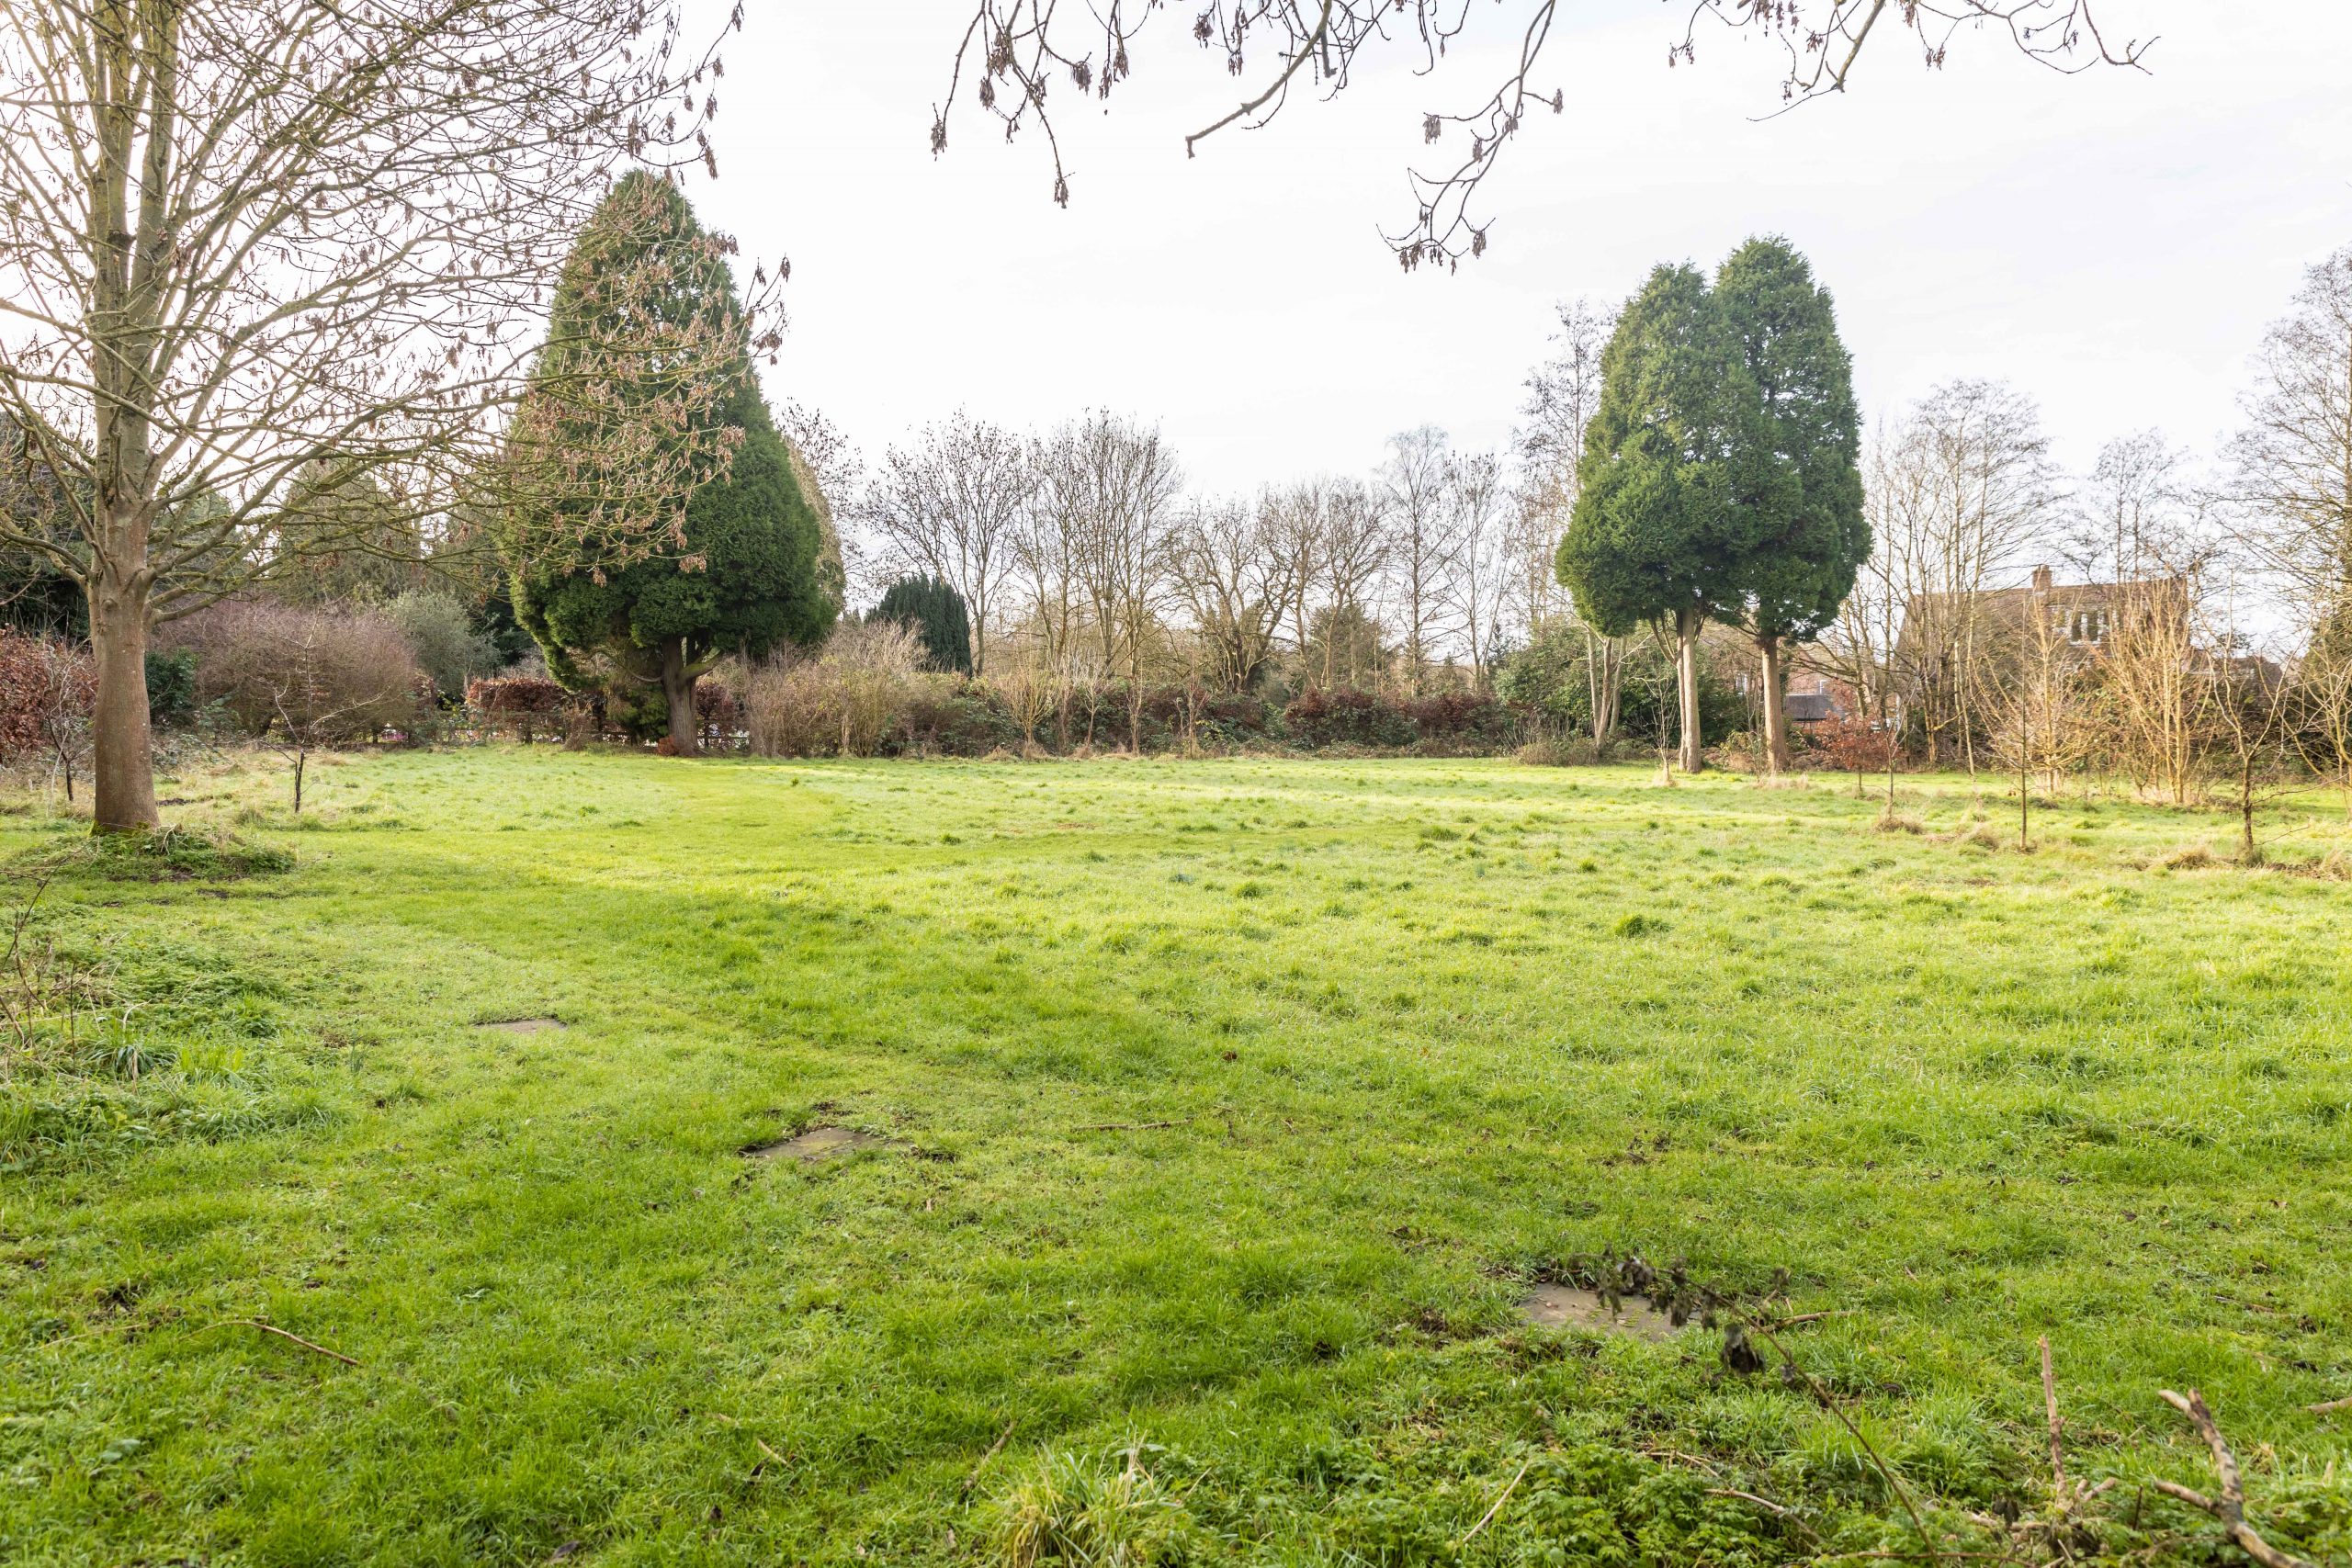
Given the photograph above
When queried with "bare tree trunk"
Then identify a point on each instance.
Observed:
(1776, 724)
(2247, 854)
(1687, 626)
(124, 782)
(678, 691)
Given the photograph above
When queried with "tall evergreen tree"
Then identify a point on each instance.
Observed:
(1809, 538)
(1675, 462)
(743, 570)
(937, 612)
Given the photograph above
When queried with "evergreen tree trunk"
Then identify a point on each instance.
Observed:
(1776, 723)
(678, 690)
(1687, 625)
(122, 776)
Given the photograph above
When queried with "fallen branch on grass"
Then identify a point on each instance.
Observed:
(2057, 1428)
(1488, 1518)
(1886, 1472)
(994, 1449)
(282, 1333)
(2329, 1407)
(1138, 1126)
(2230, 1506)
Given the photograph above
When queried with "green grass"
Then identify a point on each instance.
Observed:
(1426, 1031)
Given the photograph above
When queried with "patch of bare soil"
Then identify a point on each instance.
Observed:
(1572, 1306)
(815, 1145)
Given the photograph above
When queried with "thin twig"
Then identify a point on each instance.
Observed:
(1136, 1126)
(282, 1333)
(1764, 1503)
(2057, 1429)
(994, 1449)
(2230, 1506)
(2330, 1406)
(1902, 1492)
(1499, 1501)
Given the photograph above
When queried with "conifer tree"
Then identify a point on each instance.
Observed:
(937, 612)
(1809, 540)
(1676, 479)
(741, 570)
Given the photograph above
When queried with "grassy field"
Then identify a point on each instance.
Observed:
(1227, 1111)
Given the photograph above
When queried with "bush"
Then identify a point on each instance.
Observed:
(47, 690)
(524, 704)
(438, 626)
(1320, 718)
(1465, 719)
(1852, 746)
(955, 719)
(715, 707)
(841, 701)
(338, 674)
(171, 688)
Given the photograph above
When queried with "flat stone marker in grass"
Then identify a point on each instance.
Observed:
(1569, 1306)
(816, 1144)
(522, 1025)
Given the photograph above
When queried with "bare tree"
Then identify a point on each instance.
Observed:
(1475, 590)
(2159, 688)
(1358, 544)
(1116, 481)
(1295, 528)
(1860, 648)
(1238, 580)
(1965, 492)
(2291, 489)
(1562, 393)
(1425, 543)
(2040, 722)
(238, 237)
(951, 506)
(2293, 459)
(1015, 51)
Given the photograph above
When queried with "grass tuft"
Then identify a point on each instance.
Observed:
(1090, 1511)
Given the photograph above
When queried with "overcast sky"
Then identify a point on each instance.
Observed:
(2113, 243)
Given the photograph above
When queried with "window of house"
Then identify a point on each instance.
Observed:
(2087, 627)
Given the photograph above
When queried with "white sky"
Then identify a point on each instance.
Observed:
(2113, 243)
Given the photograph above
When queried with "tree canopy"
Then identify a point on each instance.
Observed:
(1673, 460)
(937, 612)
(1809, 538)
(743, 569)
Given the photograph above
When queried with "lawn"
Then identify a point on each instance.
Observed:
(1223, 1113)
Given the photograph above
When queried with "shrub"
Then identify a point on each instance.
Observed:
(841, 701)
(171, 688)
(955, 719)
(715, 707)
(524, 704)
(1556, 750)
(333, 674)
(1464, 720)
(1852, 746)
(437, 626)
(1320, 718)
(47, 690)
